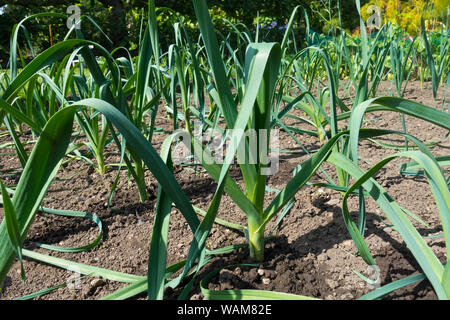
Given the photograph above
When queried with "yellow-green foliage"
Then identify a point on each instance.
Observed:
(407, 14)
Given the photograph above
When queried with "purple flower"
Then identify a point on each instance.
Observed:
(272, 25)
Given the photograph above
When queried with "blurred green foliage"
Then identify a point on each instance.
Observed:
(121, 19)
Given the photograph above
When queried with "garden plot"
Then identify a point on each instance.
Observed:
(312, 255)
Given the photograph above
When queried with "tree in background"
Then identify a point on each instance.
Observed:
(325, 15)
(120, 19)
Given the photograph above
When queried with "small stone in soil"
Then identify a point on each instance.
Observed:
(322, 257)
(332, 202)
(196, 296)
(97, 282)
(347, 243)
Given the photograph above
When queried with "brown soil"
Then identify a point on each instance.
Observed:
(312, 255)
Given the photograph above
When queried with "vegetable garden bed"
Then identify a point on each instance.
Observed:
(312, 253)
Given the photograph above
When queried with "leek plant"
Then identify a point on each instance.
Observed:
(439, 67)
(402, 59)
(262, 63)
(435, 271)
